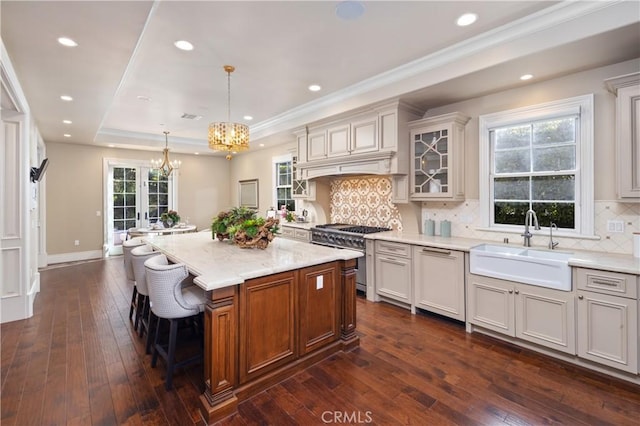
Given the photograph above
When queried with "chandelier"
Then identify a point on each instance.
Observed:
(164, 166)
(228, 136)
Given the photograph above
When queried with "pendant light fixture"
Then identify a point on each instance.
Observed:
(228, 136)
(164, 166)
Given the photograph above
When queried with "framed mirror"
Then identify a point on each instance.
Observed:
(248, 193)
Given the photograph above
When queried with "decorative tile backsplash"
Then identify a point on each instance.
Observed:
(465, 221)
(363, 200)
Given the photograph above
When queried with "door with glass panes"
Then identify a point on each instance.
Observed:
(136, 197)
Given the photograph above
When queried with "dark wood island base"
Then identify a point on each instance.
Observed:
(266, 329)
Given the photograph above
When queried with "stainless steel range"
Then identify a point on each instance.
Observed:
(342, 235)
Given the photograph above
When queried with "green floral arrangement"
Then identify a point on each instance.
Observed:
(225, 220)
(244, 228)
(170, 215)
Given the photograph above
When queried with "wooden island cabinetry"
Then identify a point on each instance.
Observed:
(270, 313)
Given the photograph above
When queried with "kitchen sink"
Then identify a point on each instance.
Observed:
(536, 267)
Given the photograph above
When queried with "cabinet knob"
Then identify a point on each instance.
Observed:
(510, 291)
(581, 297)
(517, 291)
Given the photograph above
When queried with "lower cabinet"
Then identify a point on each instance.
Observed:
(393, 270)
(294, 233)
(608, 318)
(538, 315)
(439, 281)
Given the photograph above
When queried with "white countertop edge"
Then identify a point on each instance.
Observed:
(614, 262)
(219, 281)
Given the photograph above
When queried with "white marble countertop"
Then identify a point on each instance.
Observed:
(219, 264)
(615, 262)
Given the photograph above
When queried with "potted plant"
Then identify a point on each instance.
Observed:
(225, 219)
(243, 228)
(170, 218)
(256, 232)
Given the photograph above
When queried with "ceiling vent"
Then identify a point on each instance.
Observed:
(191, 116)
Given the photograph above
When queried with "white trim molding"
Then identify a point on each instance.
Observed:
(74, 257)
(582, 105)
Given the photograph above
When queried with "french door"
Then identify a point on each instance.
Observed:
(136, 196)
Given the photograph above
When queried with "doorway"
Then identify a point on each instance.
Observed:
(136, 195)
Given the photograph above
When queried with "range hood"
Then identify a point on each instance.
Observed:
(374, 163)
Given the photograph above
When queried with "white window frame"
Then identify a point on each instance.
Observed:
(584, 202)
(276, 160)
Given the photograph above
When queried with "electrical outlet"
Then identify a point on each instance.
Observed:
(615, 226)
(97, 212)
(76, 243)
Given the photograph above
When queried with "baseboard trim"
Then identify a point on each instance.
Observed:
(74, 257)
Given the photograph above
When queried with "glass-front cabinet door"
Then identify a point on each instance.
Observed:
(437, 152)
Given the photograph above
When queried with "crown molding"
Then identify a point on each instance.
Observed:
(618, 13)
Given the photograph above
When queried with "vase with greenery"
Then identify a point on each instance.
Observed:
(226, 219)
(170, 218)
(244, 228)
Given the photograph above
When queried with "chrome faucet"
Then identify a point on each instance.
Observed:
(552, 244)
(530, 219)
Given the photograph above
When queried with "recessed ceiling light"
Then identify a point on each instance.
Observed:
(315, 88)
(349, 10)
(466, 19)
(261, 145)
(183, 45)
(66, 121)
(66, 41)
(67, 135)
(111, 145)
(143, 98)
(196, 153)
(66, 98)
(526, 77)
(248, 117)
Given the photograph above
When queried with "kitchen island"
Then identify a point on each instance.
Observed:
(270, 313)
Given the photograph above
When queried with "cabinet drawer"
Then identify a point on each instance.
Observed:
(288, 232)
(302, 235)
(395, 249)
(614, 283)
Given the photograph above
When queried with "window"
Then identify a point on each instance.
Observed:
(539, 158)
(158, 195)
(283, 183)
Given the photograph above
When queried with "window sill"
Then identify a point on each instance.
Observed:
(543, 232)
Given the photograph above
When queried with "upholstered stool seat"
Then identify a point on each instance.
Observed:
(172, 298)
(143, 312)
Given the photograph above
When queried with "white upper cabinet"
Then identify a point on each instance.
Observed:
(437, 154)
(364, 134)
(627, 91)
(338, 140)
(372, 140)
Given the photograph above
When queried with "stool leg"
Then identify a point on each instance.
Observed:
(143, 316)
(173, 334)
(139, 310)
(134, 302)
(156, 343)
(150, 333)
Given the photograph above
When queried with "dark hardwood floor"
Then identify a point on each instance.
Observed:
(77, 361)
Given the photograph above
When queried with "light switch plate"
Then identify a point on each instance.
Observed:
(319, 282)
(615, 226)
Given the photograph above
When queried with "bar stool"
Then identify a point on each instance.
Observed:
(127, 246)
(139, 255)
(171, 300)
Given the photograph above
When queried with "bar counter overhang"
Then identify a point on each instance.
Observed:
(270, 313)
